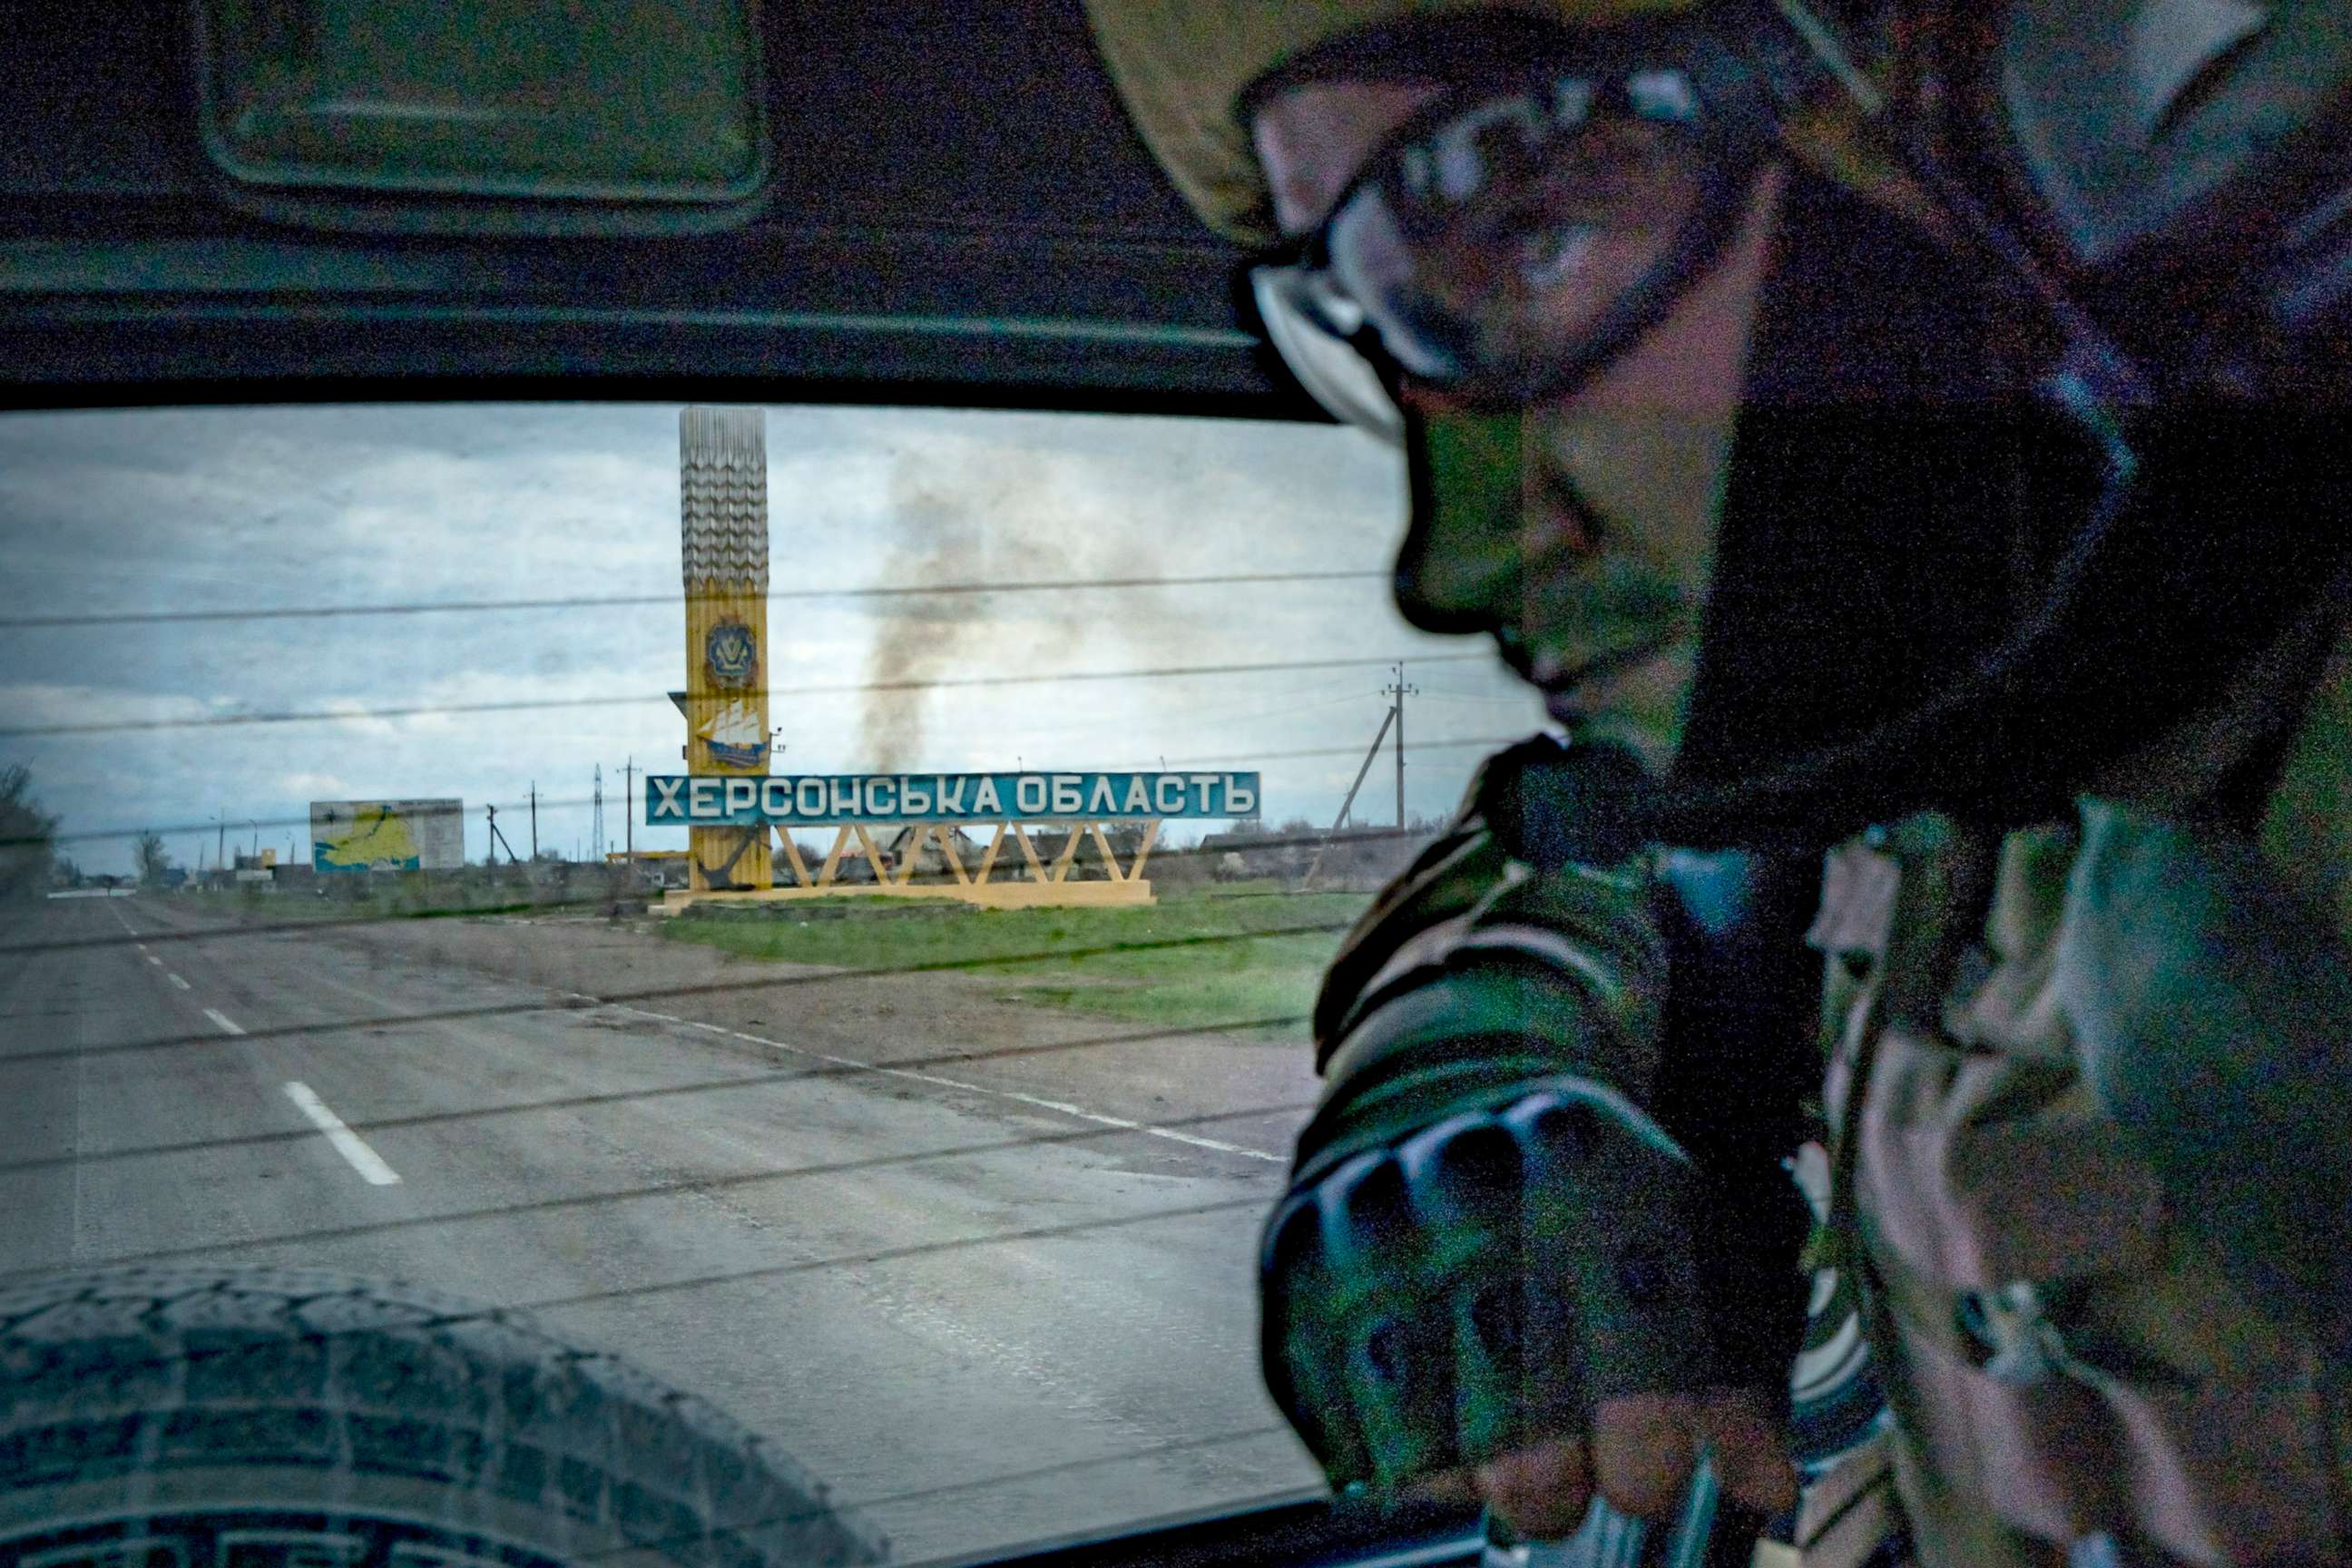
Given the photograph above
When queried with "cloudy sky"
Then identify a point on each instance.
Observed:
(131, 514)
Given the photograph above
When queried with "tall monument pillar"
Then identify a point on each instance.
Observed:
(723, 506)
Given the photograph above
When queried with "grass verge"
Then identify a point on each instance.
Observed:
(1254, 966)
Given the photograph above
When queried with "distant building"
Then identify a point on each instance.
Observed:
(928, 861)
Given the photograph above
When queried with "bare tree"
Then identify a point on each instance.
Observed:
(27, 835)
(147, 854)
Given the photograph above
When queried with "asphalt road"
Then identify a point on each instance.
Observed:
(989, 1301)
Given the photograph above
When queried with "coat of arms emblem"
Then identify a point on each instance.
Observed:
(730, 653)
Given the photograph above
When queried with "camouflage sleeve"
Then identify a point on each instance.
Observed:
(1735, 1053)
(1467, 893)
(1674, 985)
(1445, 882)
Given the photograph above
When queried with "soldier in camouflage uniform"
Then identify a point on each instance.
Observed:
(1956, 767)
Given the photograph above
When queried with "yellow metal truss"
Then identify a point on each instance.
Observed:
(1034, 882)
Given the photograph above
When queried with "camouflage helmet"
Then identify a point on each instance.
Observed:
(1183, 68)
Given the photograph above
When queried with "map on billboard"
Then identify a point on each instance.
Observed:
(387, 835)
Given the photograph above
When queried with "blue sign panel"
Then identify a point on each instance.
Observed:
(833, 800)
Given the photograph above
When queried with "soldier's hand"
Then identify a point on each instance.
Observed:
(1638, 1456)
(1479, 1286)
(1492, 1264)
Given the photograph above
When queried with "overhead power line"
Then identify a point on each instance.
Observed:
(638, 601)
(601, 899)
(790, 981)
(846, 689)
(825, 1509)
(87, 1158)
(711, 1182)
(1227, 1439)
(208, 1353)
(270, 824)
(1302, 753)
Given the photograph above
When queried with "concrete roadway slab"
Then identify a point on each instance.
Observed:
(969, 1294)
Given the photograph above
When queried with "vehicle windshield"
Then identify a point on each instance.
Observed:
(358, 921)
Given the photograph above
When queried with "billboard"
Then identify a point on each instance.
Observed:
(834, 800)
(387, 835)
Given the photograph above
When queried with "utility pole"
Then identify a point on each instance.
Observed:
(1371, 755)
(596, 821)
(220, 840)
(534, 821)
(1370, 752)
(1399, 691)
(498, 840)
(629, 812)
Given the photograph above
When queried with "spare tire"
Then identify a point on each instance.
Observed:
(260, 1417)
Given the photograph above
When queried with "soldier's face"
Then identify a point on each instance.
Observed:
(1580, 533)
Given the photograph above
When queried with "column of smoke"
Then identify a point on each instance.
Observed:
(1003, 515)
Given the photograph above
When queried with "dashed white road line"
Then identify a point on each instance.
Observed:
(156, 960)
(1062, 1107)
(348, 1143)
(175, 980)
(227, 1025)
(1169, 1132)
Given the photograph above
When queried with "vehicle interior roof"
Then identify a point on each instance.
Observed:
(959, 213)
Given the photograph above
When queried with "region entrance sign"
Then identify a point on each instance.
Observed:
(835, 800)
(927, 808)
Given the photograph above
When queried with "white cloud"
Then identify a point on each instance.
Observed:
(44, 704)
(316, 786)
